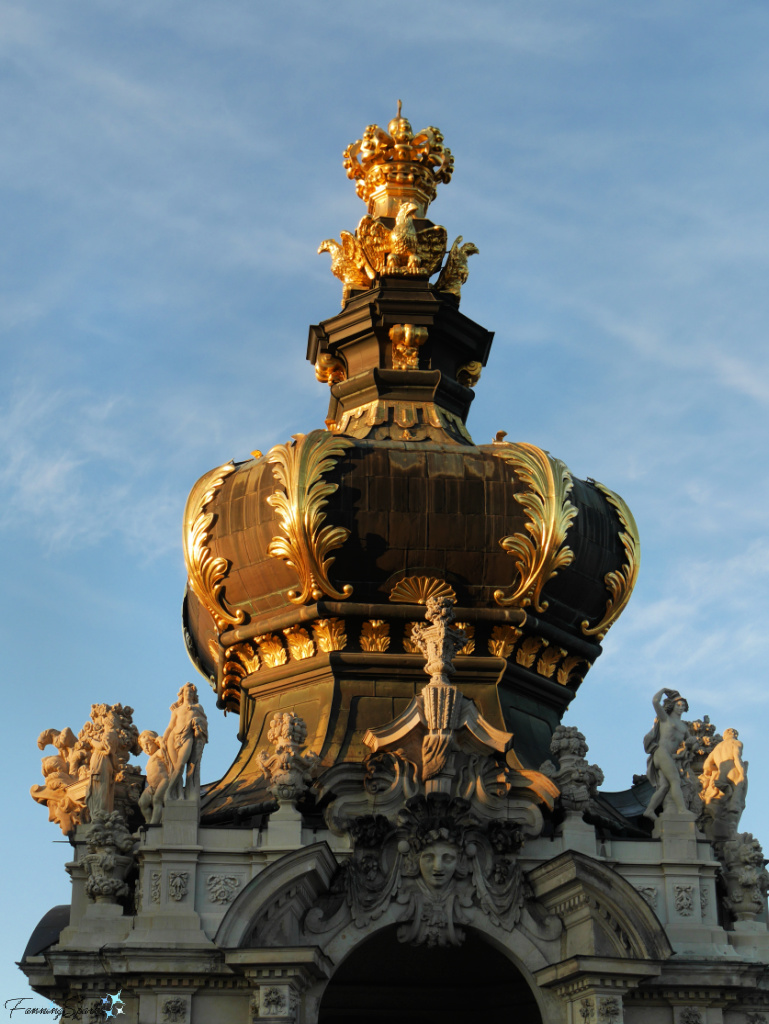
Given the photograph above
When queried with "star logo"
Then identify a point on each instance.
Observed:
(116, 1004)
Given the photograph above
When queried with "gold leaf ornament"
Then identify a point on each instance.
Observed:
(619, 583)
(329, 635)
(206, 573)
(375, 636)
(417, 589)
(298, 467)
(542, 550)
(503, 640)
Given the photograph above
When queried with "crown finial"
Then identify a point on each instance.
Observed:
(396, 166)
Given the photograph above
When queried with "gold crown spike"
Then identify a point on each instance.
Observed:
(394, 167)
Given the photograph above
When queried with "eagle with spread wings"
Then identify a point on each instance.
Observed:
(375, 249)
(402, 249)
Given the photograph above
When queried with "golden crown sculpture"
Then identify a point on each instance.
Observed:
(397, 175)
(396, 166)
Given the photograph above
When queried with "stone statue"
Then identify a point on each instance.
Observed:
(745, 875)
(55, 793)
(577, 780)
(91, 774)
(724, 782)
(665, 744)
(183, 741)
(103, 766)
(153, 798)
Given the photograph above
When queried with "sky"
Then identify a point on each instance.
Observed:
(167, 172)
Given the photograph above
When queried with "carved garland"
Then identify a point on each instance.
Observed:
(299, 467)
(542, 550)
(620, 583)
(206, 573)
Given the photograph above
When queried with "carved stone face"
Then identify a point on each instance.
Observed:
(189, 693)
(149, 744)
(438, 863)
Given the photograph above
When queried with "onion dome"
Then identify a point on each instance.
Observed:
(310, 565)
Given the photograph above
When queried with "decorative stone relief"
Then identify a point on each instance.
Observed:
(744, 871)
(683, 898)
(690, 1015)
(587, 1009)
(577, 780)
(290, 768)
(609, 1009)
(438, 864)
(90, 773)
(155, 878)
(438, 643)
(439, 743)
(273, 1002)
(221, 888)
(110, 855)
(174, 1010)
(177, 884)
(704, 901)
(649, 894)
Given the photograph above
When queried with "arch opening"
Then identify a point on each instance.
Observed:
(385, 980)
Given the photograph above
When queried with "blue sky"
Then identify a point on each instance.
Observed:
(167, 173)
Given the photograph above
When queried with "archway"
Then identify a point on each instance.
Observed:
(384, 980)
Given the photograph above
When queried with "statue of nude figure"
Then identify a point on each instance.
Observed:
(153, 798)
(184, 739)
(666, 744)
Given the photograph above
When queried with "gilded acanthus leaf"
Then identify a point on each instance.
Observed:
(569, 668)
(298, 468)
(548, 660)
(542, 550)
(417, 589)
(300, 646)
(272, 651)
(375, 635)
(207, 574)
(329, 635)
(469, 630)
(620, 583)
(526, 654)
(503, 640)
